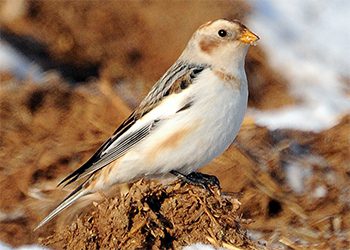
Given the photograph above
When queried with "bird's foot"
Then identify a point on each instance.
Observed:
(199, 179)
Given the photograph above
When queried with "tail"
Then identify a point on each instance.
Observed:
(69, 200)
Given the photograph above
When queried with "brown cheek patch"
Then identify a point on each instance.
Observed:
(208, 45)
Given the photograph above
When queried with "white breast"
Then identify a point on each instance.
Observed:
(221, 106)
(187, 140)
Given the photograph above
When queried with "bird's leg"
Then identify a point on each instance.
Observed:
(199, 179)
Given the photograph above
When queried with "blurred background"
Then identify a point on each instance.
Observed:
(71, 71)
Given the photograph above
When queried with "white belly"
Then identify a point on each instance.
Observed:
(191, 138)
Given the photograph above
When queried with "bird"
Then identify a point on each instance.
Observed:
(190, 116)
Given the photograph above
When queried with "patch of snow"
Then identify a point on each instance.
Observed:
(296, 174)
(4, 246)
(201, 246)
(257, 236)
(309, 43)
(32, 247)
(320, 192)
(13, 61)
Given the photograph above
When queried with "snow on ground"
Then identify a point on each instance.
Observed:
(4, 246)
(309, 43)
(13, 61)
(296, 174)
(201, 246)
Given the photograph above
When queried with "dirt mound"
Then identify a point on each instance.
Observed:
(156, 216)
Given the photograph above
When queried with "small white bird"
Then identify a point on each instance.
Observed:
(190, 116)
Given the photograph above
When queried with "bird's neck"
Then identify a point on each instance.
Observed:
(228, 60)
(232, 63)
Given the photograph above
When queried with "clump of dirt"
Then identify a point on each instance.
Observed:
(156, 216)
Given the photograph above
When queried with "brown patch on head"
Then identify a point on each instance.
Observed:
(208, 45)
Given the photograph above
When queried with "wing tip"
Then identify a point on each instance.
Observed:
(67, 180)
(68, 201)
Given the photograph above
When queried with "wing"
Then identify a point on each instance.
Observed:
(177, 78)
(130, 133)
(112, 149)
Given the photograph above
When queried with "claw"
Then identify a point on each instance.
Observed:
(199, 179)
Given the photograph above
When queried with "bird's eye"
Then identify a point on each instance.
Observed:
(222, 33)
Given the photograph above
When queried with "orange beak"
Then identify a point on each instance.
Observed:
(248, 37)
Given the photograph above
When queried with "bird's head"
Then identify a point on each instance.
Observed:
(221, 42)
